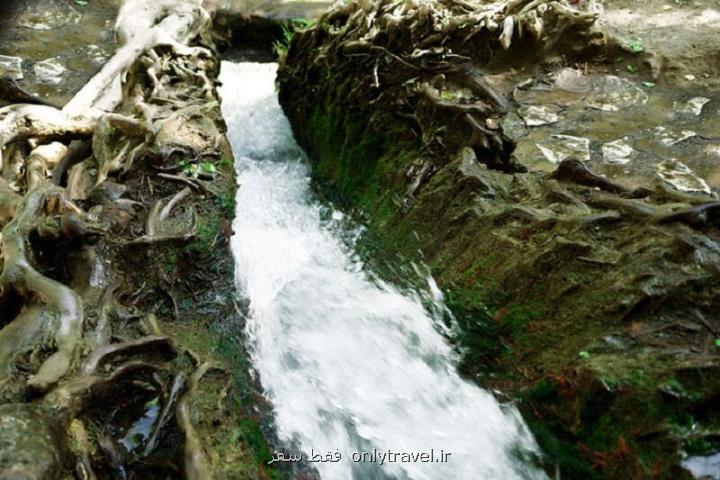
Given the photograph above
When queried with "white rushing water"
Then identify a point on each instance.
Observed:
(350, 365)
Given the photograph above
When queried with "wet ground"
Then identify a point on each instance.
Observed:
(277, 8)
(625, 126)
(52, 47)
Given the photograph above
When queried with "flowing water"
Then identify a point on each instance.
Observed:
(352, 366)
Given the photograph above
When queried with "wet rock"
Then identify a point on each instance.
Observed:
(612, 94)
(49, 71)
(472, 172)
(604, 92)
(46, 16)
(572, 80)
(618, 152)
(513, 126)
(669, 137)
(681, 177)
(97, 54)
(573, 170)
(693, 106)
(536, 115)
(11, 67)
(30, 446)
(560, 147)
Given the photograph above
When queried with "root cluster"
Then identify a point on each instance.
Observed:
(64, 339)
(427, 60)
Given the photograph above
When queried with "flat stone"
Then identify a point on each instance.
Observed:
(670, 137)
(11, 67)
(612, 94)
(48, 17)
(693, 106)
(49, 71)
(681, 177)
(536, 115)
(573, 80)
(618, 152)
(560, 147)
(513, 126)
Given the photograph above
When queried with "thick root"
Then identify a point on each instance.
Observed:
(65, 303)
(197, 466)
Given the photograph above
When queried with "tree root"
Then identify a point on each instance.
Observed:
(125, 349)
(41, 229)
(64, 302)
(573, 170)
(197, 466)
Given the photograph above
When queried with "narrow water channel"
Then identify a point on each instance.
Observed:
(350, 365)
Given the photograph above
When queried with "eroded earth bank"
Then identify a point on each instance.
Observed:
(555, 164)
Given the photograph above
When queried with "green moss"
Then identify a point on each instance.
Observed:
(208, 229)
(562, 452)
(251, 434)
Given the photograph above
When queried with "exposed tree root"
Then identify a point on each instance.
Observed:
(432, 60)
(75, 339)
(18, 272)
(196, 464)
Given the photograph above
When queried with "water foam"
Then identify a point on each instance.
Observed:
(350, 365)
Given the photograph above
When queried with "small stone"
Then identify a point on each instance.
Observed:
(513, 126)
(693, 106)
(560, 147)
(612, 94)
(617, 152)
(690, 78)
(672, 137)
(536, 115)
(11, 67)
(681, 177)
(49, 71)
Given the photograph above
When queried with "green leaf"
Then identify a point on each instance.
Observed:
(584, 354)
(82, 3)
(717, 342)
(632, 68)
(636, 46)
(648, 84)
(208, 167)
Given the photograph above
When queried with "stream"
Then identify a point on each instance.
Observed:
(354, 369)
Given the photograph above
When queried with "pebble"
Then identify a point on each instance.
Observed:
(11, 66)
(693, 106)
(49, 71)
(672, 137)
(536, 115)
(560, 147)
(618, 152)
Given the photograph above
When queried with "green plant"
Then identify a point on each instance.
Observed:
(636, 46)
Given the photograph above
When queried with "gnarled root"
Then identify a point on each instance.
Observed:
(42, 227)
(197, 466)
(63, 302)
